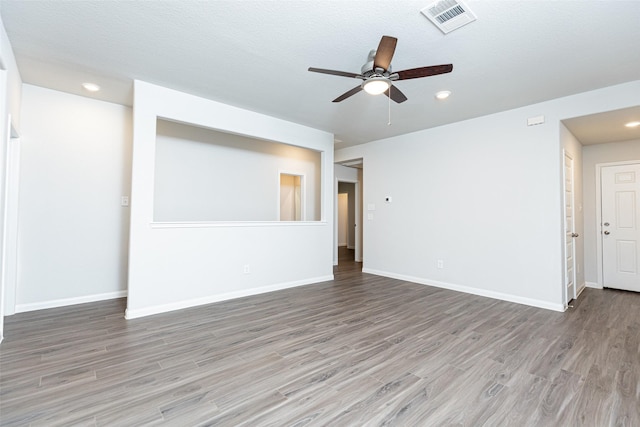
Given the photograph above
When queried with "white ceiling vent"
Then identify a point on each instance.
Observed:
(449, 15)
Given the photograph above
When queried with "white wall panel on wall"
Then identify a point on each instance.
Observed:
(75, 166)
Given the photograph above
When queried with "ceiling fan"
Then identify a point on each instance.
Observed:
(376, 74)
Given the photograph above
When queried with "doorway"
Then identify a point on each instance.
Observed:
(349, 182)
(569, 230)
(619, 241)
(346, 221)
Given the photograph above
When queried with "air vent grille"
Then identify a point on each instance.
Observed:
(449, 15)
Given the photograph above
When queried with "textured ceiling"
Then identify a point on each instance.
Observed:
(255, 54)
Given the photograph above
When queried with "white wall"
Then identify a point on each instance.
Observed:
(10, 99)
(174, 266)
(204, 175)
(343, 219)
(75, 166)
(573, 147)
(592, 155)
(483, 195)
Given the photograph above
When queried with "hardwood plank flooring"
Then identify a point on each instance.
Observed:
(359, 350)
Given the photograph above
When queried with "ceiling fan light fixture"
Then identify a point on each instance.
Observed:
(376, 85)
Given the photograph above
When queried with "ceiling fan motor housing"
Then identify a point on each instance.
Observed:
(367, 69)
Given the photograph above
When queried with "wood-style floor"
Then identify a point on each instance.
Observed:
(360, 350)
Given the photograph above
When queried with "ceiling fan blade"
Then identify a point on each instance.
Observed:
(348, 94)
(416, 73)
(385, 51)
(396, 95)
(334, 72)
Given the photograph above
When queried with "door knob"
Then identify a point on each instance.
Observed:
(575, 235)
(606, 233)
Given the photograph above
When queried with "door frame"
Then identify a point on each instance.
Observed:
(599, 251)
(565, 295)
(9, 259)
(10, 226)
(358, 241)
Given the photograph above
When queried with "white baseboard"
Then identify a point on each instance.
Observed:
(469, 290)
(581, 289)
(21, 308)
(593, 285)
(163, 308)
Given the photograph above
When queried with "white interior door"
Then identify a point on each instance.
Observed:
(620, 186)
(569, 230)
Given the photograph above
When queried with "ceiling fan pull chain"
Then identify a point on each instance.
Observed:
(389, 98)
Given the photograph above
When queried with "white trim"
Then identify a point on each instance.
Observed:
(163, 308)
(10, 226)
(334, 245)
(580, 289)
(565, 295)
(599, 254)
(21, 308)
(214, 224)
(469, 290)
(593, 285)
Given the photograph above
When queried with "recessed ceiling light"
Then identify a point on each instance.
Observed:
(443, 94)
(91, 87)
(632, 124)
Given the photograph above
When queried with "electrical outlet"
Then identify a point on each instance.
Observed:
(247, 269)
(440, 263)
(124, 201)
